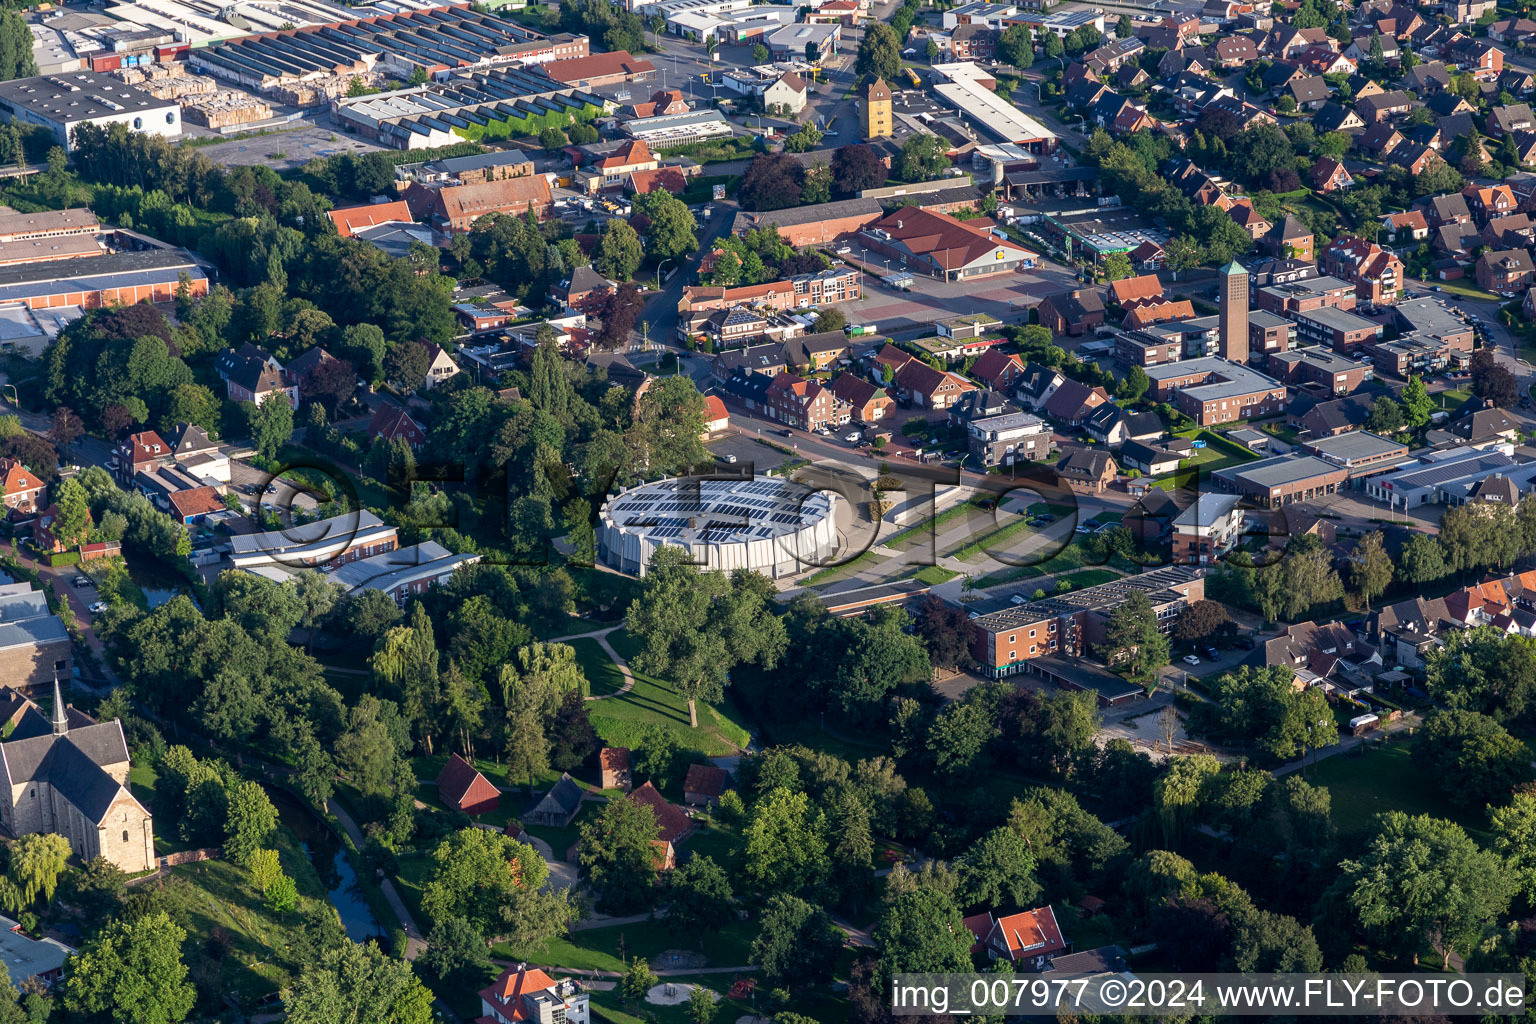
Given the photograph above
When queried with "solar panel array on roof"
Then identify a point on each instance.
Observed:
(447, 36)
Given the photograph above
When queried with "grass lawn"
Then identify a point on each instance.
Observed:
(598, 949)
(603, 676)
(411, 882)
(562, 839)
(1450, 398)
(933, 575)
(621, 720)
(216, 894)
(1089, 577)
(141, 783)
(987, 543)
(1388, 779)
(818, 1005)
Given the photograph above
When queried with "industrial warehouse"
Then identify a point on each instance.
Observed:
(396, 44)
(488, 104)
(768, 524)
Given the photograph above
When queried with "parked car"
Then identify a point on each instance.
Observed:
(82, 581)
(1210, 652)
(98, 607)
(731, 459)
(851, 438)
(1190, 659)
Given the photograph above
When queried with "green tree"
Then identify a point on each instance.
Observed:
(1386, 416)
(16, 60)
(923, 158)
(1131, 637)
(1370, 567)
(1422, 560)
(1417, 404)
(695, 627)
(672, 227)
(785, 842)
(807, 138)
(476, 873)
(760, 53)
(1123, 28)
(1514, 838)
(618, 251)
(1116, 267)
(1133, 385)
(999, 869)
(1423, 881)
(552, 139)
(922, 932)
(702, 1003)
(1472, 755)
(699, 896)
(879, 53)
(638, 980)
(617, 855)
(72, 516)
(1274, 943)
(130, 971)
(271, 423)
(796, 943)
(1485, 670)
(252, 820)
(358, 984)
(37, 861)
(456, 951)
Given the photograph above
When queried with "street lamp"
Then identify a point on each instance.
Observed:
(15, 399)
(658, 270)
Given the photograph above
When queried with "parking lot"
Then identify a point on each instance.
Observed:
(284, 146)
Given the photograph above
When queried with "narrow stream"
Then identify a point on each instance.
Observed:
(330, 860)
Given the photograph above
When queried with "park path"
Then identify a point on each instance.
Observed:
(601, 636)
(1348, 743)
(414, 943)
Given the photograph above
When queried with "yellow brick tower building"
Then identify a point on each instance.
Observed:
(876, 109)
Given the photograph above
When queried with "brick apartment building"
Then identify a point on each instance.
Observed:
(1207, 530)
(1339, 374)
(1376, 273)
(800, 403)
(1211, 390)
(1004, 642)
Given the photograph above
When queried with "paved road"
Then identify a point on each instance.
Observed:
(661, 308)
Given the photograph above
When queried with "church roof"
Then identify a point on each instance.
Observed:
(72, 763)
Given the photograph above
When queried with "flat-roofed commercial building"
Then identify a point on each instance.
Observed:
(335, 541)
(1320, 366)
(1306, 295)
(118, 278)
(973, 91)
(1447, 477)
(1336, 328)
(1359, 451)
(1282, 480)
(61, 103)
(1213, 390)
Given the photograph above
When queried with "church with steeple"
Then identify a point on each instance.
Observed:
(69, 775)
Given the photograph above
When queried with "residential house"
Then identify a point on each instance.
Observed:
(1153, 459)
(526, 994)
(704, 785)
(1289, 239)
(19, 488)
(1235, 51)
(441, 365)
(1087, 470)
(1405, 227)
(800, 403)
(923, 386)
(1428, 78)
(1309, 92)
(1114, 426)
(583, 291)
(391, 422)
(1504, 272)
(1207, 530)
(1071, 403)
(675, 825)
(867, 403)
(997, 369)
(457, 207)
(1329, 175)
(1379, 140)
(1505, 120)
(1008, 438)
(1388, 105)
(1489, 202)
(461, 787)
(1249, 219)
(1071, 312)
(1335, 117)
(1377, 273)
(1030, 939)
(253, 375)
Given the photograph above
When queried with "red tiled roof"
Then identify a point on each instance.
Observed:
(674, 823)
(598, 65)
(196, 501)
(349, 218)
(17, 480)
(667, 179)
(614, 759)
(460, 785)
(391, 422)
(714, 409)
(1031, 933)
(948, 242)
(1147, 286)
(705, 780)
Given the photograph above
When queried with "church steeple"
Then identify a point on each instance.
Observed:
(60, 717)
